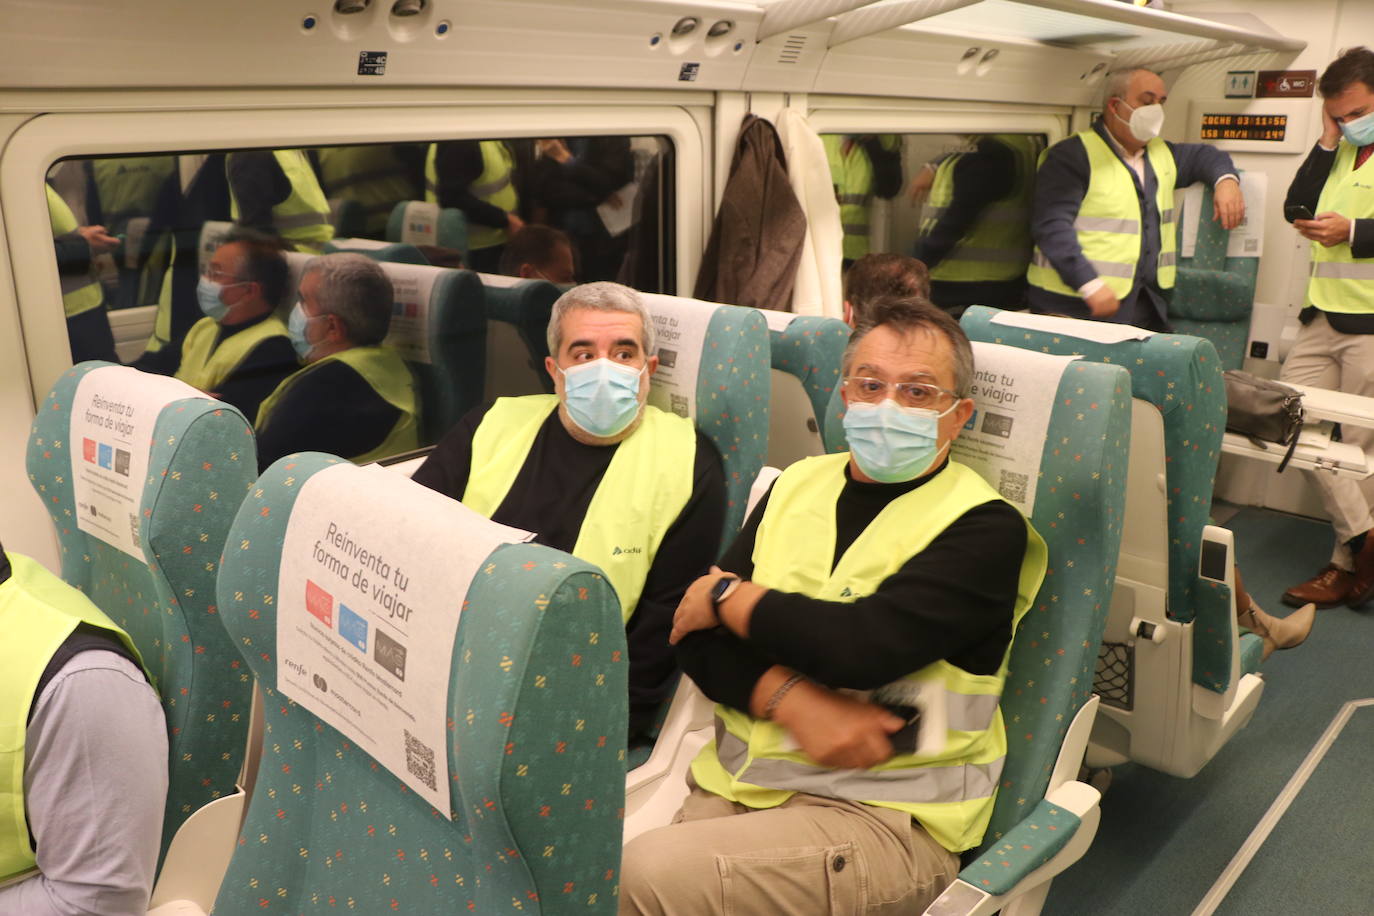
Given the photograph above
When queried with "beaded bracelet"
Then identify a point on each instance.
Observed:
(771, 706)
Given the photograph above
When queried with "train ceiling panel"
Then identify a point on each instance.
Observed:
(1051, 48)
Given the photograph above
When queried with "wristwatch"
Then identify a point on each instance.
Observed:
(724, 588)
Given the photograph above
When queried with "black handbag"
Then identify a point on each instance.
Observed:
(1264, 410)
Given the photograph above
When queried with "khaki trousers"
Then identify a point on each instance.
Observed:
(1325, 358)
(808, 856)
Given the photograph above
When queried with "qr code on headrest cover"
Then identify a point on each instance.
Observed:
(1012, 486)
(420, 760)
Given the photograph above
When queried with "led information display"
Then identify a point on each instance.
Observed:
(1272, 128)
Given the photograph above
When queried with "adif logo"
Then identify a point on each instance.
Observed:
(619, 550)
(846, 593)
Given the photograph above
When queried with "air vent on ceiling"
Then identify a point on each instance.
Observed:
(792, 49)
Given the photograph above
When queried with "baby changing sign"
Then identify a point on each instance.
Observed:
(370, 590)
(113, 415)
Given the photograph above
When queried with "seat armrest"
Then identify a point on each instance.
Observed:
(199, 857)
(1216, 655)
(1047, 841)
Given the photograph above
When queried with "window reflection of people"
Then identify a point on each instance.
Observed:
(478, 178)
(975, 228)
(859, 578)
(594, 470)
(83, 298)
(570, 179)
(540, 253)
(1104, 209)
(355, 398)
(862, 167)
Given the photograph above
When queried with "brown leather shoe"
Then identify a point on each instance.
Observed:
(1327, 588)
(1362, 589)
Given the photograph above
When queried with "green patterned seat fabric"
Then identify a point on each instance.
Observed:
(1214, 295)
(812, 349)
(1182, 376)
(451, 232)
(203, 460)
(537, 716)
(394, 252)
(451, 383)
(833, 427)
(526, 305)
(1030, 844)
(1079, 504)
(733, 389)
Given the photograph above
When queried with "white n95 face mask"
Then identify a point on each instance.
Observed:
(1146, 121)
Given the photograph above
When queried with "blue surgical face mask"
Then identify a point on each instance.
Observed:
(207, 295)
(1359, 132)
(602, 397)
(891, 443)
(295, 329)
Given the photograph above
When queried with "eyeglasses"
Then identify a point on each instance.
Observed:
(219, 276)
(908, 394)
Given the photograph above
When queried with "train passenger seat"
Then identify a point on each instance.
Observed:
(1071, 471)
(1175, 676)
(347, 216)
(713, 367)
(377, 250)
(529, 707)
(517, 335)
(1214, 293)
(418, 222)
(439, 327)
(142, 476)
(807, 358)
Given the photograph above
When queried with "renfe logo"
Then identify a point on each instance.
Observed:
(319, 603)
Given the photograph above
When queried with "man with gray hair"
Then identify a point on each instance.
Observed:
(1103, 218)
(865, 586)
(355, 397)
(596, 471)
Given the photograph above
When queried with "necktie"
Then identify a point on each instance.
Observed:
(1363, 154)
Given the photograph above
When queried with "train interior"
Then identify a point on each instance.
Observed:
(1230, 789)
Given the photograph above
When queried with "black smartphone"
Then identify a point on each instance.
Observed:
(1297, 211)
(905, 739)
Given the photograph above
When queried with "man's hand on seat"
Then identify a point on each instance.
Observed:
(1228, 203)
(837, 730)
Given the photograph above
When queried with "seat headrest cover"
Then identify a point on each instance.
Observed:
(680, 326)
(374, 573)
(113, 415)
(1099, 331)
(421, 223)
(413, 288)
(1014, 396)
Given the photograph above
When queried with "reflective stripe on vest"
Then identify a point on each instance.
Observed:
(950, 791)
(80, 292)
(38, 611)
(372, 176)
(1339, 281)
(128, 186)
(644, 490)
(1110, 241)
(494, 186)
(303, 218)
(852, 175)
(207, 362)
(997, 246)
(387, 373)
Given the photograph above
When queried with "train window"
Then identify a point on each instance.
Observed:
(135, 236)
(959, 202)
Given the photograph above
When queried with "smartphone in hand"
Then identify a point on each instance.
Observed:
(1297, 211)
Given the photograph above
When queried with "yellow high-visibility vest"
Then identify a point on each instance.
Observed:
(371, 175)
(643, 491)
(387, 373)
(495, 186)
(754, 761)
(1341, 282)
(997, 247)
(38, 611)
(1110, 220)
(205, 365)
(80, 292)
(303, 218)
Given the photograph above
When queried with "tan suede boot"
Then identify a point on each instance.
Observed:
(1277, 632)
